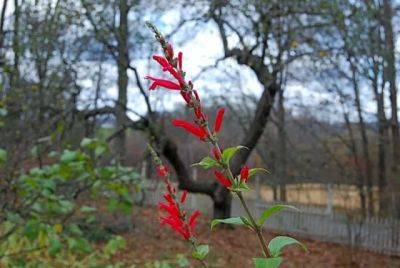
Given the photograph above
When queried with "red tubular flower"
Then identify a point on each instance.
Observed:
(193, 219)
(157, 82)
(186, 96)
(170, 51)
(222, 179)
(171, 209)
(180, 55)
(218, 120)
(199, 113)
(168, 197)
(162, 171)
(177, 225)
(163, 62)
(171, 189)
(216, 153)
(191, 128)
(196, 95)
(183, 196)
(166, 66)
(244, 173)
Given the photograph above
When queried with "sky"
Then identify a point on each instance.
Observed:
(201, 51)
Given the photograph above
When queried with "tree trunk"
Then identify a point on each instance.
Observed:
(366, 165)
(390, 73)
(15, 46)
(383, 139)
(122, 62)
(2, 19)
(354, 152)
(222, 204)
(282, 162)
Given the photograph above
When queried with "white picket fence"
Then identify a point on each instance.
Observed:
(375, 234)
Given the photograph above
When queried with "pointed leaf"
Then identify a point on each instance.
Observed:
(276, 245)
(272, 210)
(253, 171)
(234, 220)
(267, 262)
(207, 162)
(229, 152)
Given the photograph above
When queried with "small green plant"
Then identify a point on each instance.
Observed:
(42, 225)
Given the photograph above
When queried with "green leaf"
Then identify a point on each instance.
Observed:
(201, 252)
(234, 220)
(3, 155)
(273, 210)
(79, 244)
(55, 246)
(182, 261)
(229, 152)
(86, 142)
(253, 171)
(207, 162)
(115, 244)
(100, 150)
(267, 262)
(75, 230)
(31, 230)
(68, 156)
(276, 245)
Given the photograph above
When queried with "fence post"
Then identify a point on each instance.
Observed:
(329, 201)
(193, 199)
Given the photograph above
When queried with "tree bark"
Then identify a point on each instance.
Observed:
(366, 165)
(390, 71)
(122, 62)
(282, 163)
(359, 170)
(15, 46)
(383, 140)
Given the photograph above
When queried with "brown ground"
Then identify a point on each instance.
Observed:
(235, 247)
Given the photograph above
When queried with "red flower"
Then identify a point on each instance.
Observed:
(191, 128)
(218, 120)
(186, 96)
(199, 113)
(163, 62)
(162, 171)
(222, 179)
(169, 51)
(216, 153)
(166, 66)
(177, 225)
(168, 197)
(183, 196)
(180, 55)
(193, 219)
(157, 82)
(244, 173)
(170, 208)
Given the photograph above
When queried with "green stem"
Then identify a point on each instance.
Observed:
(204, 264)
(257, 228)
